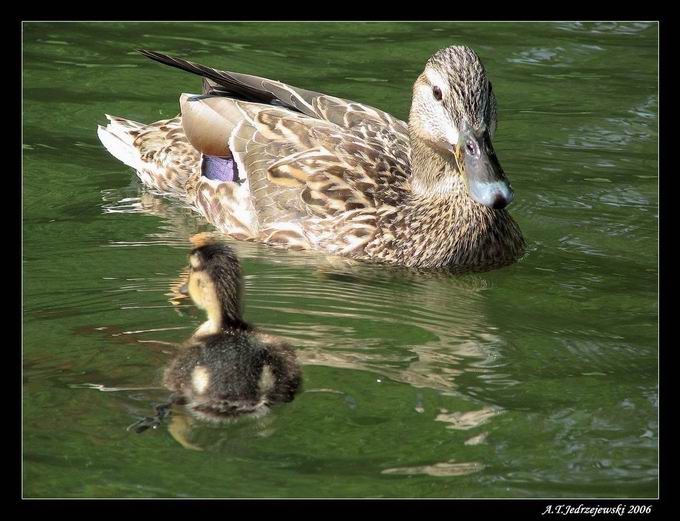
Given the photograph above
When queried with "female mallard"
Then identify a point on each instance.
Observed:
(265, 161)
(228, 369)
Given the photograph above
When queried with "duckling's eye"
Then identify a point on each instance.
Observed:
(437, 92)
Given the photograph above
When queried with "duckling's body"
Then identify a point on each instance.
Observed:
(227, 369)
(230, 374)
(266, 161)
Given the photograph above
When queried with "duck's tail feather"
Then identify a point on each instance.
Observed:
(232, 83)
(118, 141)
(244, 87)
(160, 152)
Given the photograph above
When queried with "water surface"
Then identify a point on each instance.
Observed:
(536, 380)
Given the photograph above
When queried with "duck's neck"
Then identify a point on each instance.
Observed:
(433, 173)
(446, 227)
(221, 319)
(212, 326)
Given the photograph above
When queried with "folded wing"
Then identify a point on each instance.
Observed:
(304, 154)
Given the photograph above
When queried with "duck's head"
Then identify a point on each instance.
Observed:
(214, 284)
(454, 113)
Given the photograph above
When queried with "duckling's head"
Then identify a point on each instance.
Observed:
(214, 284)
(454, 113)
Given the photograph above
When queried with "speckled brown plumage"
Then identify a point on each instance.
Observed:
(324, 173)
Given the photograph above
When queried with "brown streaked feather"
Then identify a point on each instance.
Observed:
(371, 124)
(168, 157)
(276, 147)
(242, 86)
(226, 205)
(316, 171)
(302, 167)
(364, 120)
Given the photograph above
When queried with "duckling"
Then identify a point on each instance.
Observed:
(228, 369)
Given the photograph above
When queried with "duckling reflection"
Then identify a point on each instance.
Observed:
(227, 369)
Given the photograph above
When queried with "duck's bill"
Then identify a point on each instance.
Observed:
(486, 181)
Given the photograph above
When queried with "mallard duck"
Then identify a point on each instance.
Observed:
(227, 368)
(266, 161)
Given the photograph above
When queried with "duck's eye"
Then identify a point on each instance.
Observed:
(437, 92)
(470, 146)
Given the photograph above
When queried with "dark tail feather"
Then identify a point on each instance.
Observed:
(210, 88)
(243, 86)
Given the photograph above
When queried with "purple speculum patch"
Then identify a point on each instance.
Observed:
(219, 168)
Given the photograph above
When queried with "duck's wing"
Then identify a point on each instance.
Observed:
(304, 154)
(285, 369)
(298, 168)
(368, 122)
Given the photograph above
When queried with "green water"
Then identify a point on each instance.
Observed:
(536, 380)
